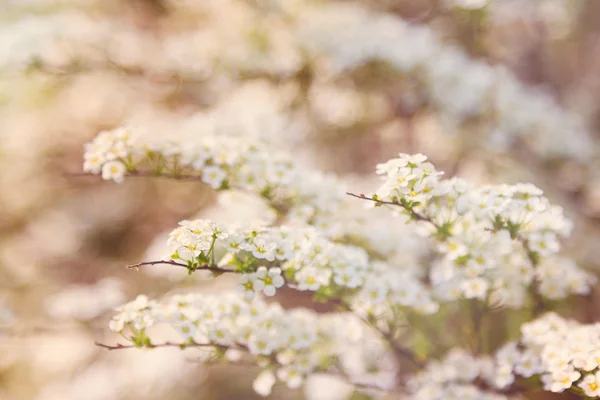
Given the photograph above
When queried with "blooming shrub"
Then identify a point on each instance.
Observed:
(276, 272)
(493, 248)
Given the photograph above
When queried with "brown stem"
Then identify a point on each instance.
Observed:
(401, 352)
(413, 213)
(223, 347)
(119, 346)
(143, 174)
(205, 267)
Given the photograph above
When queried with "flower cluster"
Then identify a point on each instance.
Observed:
(457, 87)
(563, 353)
(495, 241)
(289, 345)
(309, 259)
(458, 376)
(222, 163)
(108, 154)
(283, 40)
(265, 280)
(408, 178)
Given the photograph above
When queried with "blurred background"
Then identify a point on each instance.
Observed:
(491, 90)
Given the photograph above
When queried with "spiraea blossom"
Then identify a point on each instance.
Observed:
(494, 241)
(222, 163)
(489, 247)
(309, 261)
(283, 39)
(289, 345)
(563, 354)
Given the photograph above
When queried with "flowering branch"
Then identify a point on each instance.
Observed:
(182, 346)
(205, 267)
(145, 174)
(475, 228)
(414, 214)
(401, 352)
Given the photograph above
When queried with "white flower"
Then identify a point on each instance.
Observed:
(214, 176)
(249, 284)
(114, 170)
(93, 162)
(311, 278)
(475, 288)
(562, 380)
(264, 382)
(591, 385)
(220, 335)
(272, 279)
(186, 329)
(348, 277)
(414, 159)
(528, 365)
(591, 360)
(264, 249)
(117, 150)
(261, 343)
(375, 291)
(117, 323)
(453, 248)
(503, 376)
(544, 243)
(469, 4)
(291, 376)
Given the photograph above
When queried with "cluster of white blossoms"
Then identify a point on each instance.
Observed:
(495, 241)
(563, 354)
(309, 260)
(283, 39)
(289, 345)
(459, 376)
(221, 162)
(455, 86)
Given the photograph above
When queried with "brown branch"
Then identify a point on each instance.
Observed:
(539, 303)
(204, 267)
(412, 212)
(182, 346)
(143, 174)
(400, 352)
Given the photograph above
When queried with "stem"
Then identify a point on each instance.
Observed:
(178, 264)
(146, 174)
(417, 216)
(119, 346)
(401, 352)
(476, 317)
(211, 251)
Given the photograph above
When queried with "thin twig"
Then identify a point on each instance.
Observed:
(412, 212)
(143, 174)
(399, 351)
(205, 267)
(539, 303)
(182, 346)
